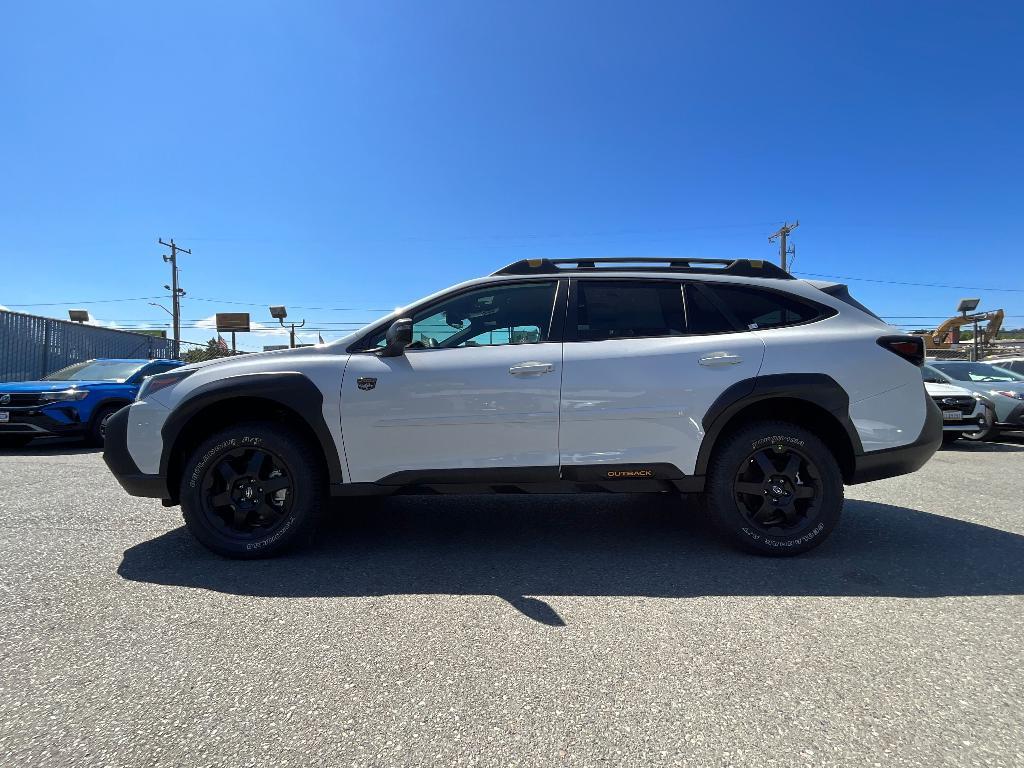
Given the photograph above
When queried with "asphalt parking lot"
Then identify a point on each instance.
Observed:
(608, 630)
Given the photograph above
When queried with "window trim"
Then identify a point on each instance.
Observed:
(556, 321)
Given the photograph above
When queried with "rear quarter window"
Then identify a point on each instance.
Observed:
(758, 309)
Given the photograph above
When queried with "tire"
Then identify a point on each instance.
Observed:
(13, 442)
(98, 427)
(988, 432)
(224, 490)
(774, 488)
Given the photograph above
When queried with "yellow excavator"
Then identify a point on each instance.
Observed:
(948, 332)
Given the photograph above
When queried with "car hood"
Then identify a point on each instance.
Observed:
(334, 348)
(944, 390)
(53, 386)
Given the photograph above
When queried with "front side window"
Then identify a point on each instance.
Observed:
(757, 309)
(495, 315)
(628, 309)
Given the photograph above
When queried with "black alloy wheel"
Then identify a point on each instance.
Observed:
(778, 490)
(247, 493)
(774, 488)
(253, 489)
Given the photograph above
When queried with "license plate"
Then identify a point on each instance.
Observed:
(952, 415)
(5, 416)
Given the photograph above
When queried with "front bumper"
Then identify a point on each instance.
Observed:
(1013, 420)
(41, 421)
(876, 465)
(120, 462)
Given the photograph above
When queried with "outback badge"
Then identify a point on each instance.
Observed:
(366, 383)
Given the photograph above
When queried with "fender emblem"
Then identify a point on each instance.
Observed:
(366, 383)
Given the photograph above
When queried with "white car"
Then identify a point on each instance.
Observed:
(729, 379)
(964, 413)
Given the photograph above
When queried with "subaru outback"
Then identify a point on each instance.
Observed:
(760, 393)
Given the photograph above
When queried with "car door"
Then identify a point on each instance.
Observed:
(473, 399)
(643, 361)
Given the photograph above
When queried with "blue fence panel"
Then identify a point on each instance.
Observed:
(33, 346)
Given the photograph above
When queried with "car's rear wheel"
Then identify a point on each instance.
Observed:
(252, 490)
(774, 488)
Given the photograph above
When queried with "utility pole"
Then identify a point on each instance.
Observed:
(781, 234)
(176, 292)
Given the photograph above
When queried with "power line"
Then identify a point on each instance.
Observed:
(91, 301)
(904, 282)
(293, 306)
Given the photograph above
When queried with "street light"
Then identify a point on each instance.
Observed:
(279, 313)
(78, 315)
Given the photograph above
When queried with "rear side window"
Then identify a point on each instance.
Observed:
(757, 309)
(702, 316)
(628, 309)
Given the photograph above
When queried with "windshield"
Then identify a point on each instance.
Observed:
(932, 376)
(97, 370)
(978, 372)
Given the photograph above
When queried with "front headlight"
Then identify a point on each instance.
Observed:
(1008, 393)
(64, 394)
(154, 384)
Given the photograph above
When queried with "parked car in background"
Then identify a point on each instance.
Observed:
(1015, 364)
(77, 400)
(964, 413)
(1003, 387)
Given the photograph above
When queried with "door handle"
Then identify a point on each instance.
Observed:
(720, 359)
(530, 369)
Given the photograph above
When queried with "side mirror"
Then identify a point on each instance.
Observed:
(398, 337)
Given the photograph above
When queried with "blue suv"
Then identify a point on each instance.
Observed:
(77, 400)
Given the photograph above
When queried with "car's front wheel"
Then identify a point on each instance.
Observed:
(774, 488)
(987, 431)
(252, 490)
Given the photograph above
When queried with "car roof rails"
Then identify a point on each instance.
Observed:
(735, 267)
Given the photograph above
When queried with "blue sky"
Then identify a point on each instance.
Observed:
(360, 155)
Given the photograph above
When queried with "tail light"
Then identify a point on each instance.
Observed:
(910, 348)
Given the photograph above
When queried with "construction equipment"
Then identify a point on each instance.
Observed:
(948, 332)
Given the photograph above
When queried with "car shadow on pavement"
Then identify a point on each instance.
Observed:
(1000, 445)
(51, 446)
(517, 547)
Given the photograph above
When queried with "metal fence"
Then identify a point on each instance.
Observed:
(33, 346)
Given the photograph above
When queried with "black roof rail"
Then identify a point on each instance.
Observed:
(736, 267)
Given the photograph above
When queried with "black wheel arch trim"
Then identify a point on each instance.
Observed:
(291, 389)
(817, 388)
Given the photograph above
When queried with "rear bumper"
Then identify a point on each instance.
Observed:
(876, 465)
(121, 464)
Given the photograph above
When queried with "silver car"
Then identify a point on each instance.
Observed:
(1001, 386)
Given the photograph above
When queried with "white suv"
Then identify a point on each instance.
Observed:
(729, 379)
